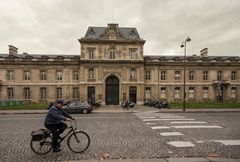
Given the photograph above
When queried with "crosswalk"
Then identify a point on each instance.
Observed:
(167, 124)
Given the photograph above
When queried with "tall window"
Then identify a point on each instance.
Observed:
(132, 53)
(43, 75)
(91, 73)
(147, 75)
(163, 75)
(10, 93)
(163, 92)
(147, 92)
(205, 75)
(91, 53)
(112, 54)
(233, 75)
(205, 92)
(233, 92)
(59, 75)
(191, 92)
(26, 75)
(177, 92)
(219, 75)
(177, 75)
(43, 92)
(59, 92)
(133, 73)
(75, 75)
(10, 75)
(191, 75)
(75, 92)
(27, 93)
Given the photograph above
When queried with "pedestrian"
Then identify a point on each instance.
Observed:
(53, 122)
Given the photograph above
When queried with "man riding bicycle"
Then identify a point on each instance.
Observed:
(53, 122)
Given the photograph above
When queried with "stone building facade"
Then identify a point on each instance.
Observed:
(112, 68)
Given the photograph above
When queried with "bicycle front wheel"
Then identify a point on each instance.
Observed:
(42, 147)
(78, 141)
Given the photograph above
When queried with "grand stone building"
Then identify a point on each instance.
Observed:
(112, 68)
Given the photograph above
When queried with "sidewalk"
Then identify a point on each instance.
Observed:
(119, 109)
(209, 159)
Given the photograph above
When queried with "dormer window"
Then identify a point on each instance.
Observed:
(91, 32)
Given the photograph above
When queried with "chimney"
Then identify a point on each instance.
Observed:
(204, 52)
(13, 50)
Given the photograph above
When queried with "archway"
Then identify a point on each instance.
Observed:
(112, 91)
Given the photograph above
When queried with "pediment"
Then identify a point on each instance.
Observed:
(112, 32)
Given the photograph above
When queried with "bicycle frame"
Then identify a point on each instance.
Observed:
(72, 130)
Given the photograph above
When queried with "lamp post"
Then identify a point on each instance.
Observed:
(184, 44)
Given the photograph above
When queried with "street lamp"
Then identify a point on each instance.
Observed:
(184, 44)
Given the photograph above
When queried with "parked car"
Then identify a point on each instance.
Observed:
(78, 107)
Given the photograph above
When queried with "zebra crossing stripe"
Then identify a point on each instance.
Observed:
(197, 126)
(164, 119)
(160, 127)
(171, 134)
(181, 144)
(189, 122)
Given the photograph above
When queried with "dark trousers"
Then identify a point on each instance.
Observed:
(56, 129)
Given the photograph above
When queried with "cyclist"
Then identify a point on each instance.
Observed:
(53, 122)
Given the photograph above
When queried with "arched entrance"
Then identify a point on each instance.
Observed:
(112, 91)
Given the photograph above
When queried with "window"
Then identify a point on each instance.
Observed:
(219, 75)
(10, 75)
(132, 53)
(91, 73)
(112, 54)
(91, 53)
(59, 75)
(75, 92)
(205, 75)
(233, 92)
(191, 92)
(163, 92)
(148, 75)
(205, 92)
(10, 93)
(27, 93)
(233, 75)
(177, 75)
(177, 92)
(75, 75)
(43, 92)
(26, 75)
(133, 73)
(191, 75)
(147, 92)
(59, 92)
(163, 75)
(43, 75)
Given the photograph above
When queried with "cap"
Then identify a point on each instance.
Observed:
(59, 101)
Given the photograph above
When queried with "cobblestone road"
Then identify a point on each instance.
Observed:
(124, 136)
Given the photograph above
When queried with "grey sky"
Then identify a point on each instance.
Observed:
(53, 26)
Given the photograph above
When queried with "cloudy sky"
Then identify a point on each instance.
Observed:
(53, 26)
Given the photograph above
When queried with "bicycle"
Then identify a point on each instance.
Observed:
(77, 141)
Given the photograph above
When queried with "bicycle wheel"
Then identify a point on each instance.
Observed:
(43, 146)
(78, 141)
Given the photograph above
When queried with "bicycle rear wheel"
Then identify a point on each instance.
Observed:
(43, 146)
(78, 141)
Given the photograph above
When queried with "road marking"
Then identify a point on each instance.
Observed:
(197, 126)
(189, 122)
(164, 119)
(148, 123)
(160, 127)
(147, 117)
(181, 144)
(224, 142)
(171, 134)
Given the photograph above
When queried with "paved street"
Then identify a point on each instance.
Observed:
(142, 135)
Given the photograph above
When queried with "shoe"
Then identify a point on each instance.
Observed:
(57, 150)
